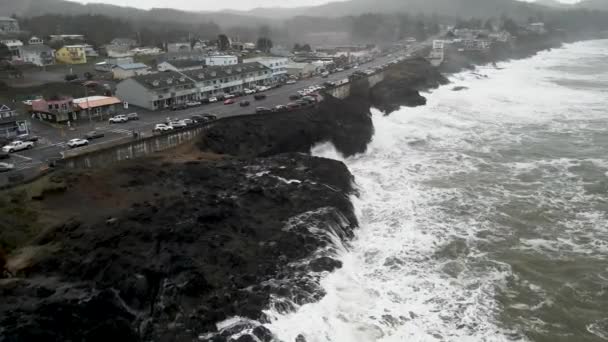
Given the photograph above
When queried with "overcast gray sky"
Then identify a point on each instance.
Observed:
(212, 5)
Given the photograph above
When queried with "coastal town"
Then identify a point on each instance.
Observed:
(123, 90)
(313, 171)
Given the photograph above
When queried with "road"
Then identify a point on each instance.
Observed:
(53, 140)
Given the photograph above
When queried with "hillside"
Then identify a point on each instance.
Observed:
(594, 4)
(552, 4)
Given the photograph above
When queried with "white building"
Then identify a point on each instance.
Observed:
(219, 80)
(146, 51)
(158, 91)
(124, 71)
(301, 70)
(35, 41)
(8, 25)
(38, 54)
(13, 46)
(221, 60)
(537, 28)
(278, 65)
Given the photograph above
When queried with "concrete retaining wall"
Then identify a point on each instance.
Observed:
(132, 149)
(344, 91)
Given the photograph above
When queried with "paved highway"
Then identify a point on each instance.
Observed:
(53, 140)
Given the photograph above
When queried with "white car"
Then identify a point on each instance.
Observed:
(178, 124)
(193, 103)
(5, 167)
(77, 143)
(118, 119)
(291, 82)
(248, 91)
(163, 128)
(229, 96)
(18, 145)
(212, 99)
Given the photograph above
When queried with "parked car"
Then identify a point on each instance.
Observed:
(132, 116)
(262, 110)
(92, 135)
(244, 103)
(4, 155)
(259, 97)
(180, 106)
(309, 99)
(279, 108)
(291, 82)
(18, 145)
(118, 119)
(5, 167)
(248, 91)
(229, 102)
(27, 137)
(178, 124)
(212, 99)
(77, 143)
(193, 103)
(229, 96)
(197, 118)
(210, 117)
(295, 97)
(188, 122)
(325, 75)
(162, 128)
(292, 106)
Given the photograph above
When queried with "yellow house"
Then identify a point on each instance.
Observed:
(71, 54)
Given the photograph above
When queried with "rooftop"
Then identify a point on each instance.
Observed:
(7, 19)
(222, 71)
(96, 101)
(162, 80)
(186, 63)
(132, 66)
(36, 48)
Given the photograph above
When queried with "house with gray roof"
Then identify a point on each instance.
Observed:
(158, 91)
(127, 70)
(219, 80)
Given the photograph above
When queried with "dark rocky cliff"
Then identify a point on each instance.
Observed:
(345, 123)
(216, 241)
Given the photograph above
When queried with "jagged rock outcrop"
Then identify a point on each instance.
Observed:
(403, 83)
(218, 240)
(345, 123)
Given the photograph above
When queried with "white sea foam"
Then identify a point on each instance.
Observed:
(436, 183)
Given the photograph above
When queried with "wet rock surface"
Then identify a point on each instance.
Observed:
(170, 269)
(403, 83)
(345, 123)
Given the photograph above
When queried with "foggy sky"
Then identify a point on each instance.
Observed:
(213, 5)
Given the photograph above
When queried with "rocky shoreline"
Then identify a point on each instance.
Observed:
(195, 249)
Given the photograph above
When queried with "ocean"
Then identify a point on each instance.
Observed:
(483, 215)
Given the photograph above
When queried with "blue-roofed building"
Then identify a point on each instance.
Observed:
(128, 70)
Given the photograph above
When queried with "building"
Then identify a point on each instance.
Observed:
(158, 91)
(35, 41)
(502, 36)
(278, 65)
(56, 110)
(538, 28)
(180, 56)
(10, 125)
(280, 51)
(301, 70)
(97, 107)
(180, 65)
(13, 46)
(221, 60)
(124, 71)
(476, 45)
(67, 37)
(8, 25)
(90, 51)
(117, 51)
(179, 47)
(38, 54)
(128, 42)
(146, 51)
(219, 80)
(71, 54)
(437, 54)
